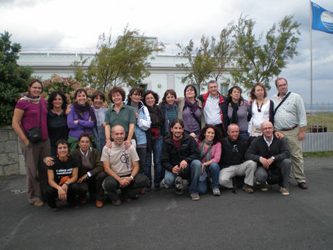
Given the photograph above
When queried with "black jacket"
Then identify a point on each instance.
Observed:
(228, 151)
(171, 156)
(259, 148)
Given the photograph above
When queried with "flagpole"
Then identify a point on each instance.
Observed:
(311, 85)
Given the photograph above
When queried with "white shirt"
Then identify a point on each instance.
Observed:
(212, 110)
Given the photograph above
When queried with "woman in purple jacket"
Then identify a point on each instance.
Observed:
(80, 119)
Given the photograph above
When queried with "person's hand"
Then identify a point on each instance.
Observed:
(193, 135)
(62, 194)
(136, 115)
(104, 124)
(48, 161)
(108, 144)
(264, 162)
(68, 109)
(89, 118)
(183, 164)
(279, 135)
(26, 142)
(270, 161)
(82, 178)
(127, 144)
(64, 187)
(301, 135)
(76, 121)
(124, 182)
(176, 169)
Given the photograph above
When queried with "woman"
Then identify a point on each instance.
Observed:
(30, 113)
(81, 118)
(142, 123)
(98, 99)
(154, 139)
(90, 167)
(169, 110)
(238, 110)
(57, 119)
(261, 109)
(119, 114)
(62, 176)
(190, 111)
(210, 153)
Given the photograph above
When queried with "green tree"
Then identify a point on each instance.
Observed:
(13, 78)
(201, 62)
(124, 62)
(258, 61)
(223, 53)
(80, 70)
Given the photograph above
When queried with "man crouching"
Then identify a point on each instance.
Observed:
(121, 166)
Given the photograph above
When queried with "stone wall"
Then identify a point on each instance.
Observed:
(11, 158)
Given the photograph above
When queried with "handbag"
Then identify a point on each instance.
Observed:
(35, 133)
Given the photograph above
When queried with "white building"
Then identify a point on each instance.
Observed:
(164, 72)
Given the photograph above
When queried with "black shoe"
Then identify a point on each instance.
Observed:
(303, 185)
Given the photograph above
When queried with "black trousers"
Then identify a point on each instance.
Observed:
(52, 194)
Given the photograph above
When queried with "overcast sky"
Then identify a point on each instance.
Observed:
(74, 26)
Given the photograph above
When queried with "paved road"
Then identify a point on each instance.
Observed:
(163, 220)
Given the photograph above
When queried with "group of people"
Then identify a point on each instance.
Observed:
(208, 139)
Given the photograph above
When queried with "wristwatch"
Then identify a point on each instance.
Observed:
(273, 158)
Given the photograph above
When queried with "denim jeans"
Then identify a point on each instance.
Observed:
(192, 173)
(157, 152)
(214, 171)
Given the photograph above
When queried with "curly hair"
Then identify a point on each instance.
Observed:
(217, 137)
(53, 95)
(153, 93)
(115, 90)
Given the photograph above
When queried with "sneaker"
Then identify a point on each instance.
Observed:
(179, 182)
(163, 184)
(248, 189)
(264, 187)
(284, 191)
(195, 197)
(216, 192)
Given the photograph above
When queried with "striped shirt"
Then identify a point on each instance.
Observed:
(290, 113)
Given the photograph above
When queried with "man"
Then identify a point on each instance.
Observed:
(274, 158)
(180, 160)
(121, 166)
(233, 160)
(215, 107)
(290, 120)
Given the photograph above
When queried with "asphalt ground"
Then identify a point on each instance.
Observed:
(164, 220)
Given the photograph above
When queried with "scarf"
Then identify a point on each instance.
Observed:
(234, 118)
(193, 106)
(82, 109)
(31, 99)
(202, 150)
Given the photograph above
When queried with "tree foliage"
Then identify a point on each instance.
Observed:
(258, 61)
(209, 60)
(123, 62)
(13, 78)
(200, 62)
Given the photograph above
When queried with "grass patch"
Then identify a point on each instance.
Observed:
(319, 154)
(322, 119)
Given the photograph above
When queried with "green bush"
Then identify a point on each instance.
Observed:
(13, 78)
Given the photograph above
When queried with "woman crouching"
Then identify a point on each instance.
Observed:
(62, 177)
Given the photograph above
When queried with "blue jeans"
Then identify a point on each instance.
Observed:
(214, 172)
(192, 173)
(157, 152)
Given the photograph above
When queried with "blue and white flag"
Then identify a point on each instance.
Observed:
(322, 19)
